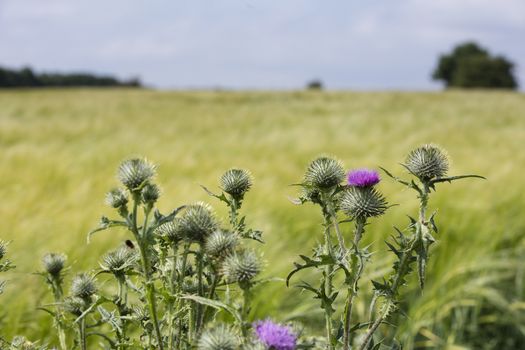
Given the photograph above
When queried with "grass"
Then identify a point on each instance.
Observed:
(60, 150)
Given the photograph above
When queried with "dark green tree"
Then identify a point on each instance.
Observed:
(472, 66)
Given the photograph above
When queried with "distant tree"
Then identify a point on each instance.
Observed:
(471, 66)
(10, 78)
(315, 84)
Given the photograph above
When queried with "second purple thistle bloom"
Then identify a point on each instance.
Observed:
(363, 178)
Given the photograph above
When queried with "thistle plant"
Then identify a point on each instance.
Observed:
(358, 201)
(5, 264)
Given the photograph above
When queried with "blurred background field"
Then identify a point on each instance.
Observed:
(60, 150)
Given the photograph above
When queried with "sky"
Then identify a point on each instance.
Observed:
(257, 44)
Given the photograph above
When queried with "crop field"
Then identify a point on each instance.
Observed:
(60, 150)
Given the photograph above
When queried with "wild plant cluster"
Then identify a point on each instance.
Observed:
(184, 280)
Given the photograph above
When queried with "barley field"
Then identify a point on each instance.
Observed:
(60, 150)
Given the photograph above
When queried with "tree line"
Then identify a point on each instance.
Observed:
(26, 77)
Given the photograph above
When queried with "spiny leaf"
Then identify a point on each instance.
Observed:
(321, 260)
(106, 223)
(215, 304)
(453, 178)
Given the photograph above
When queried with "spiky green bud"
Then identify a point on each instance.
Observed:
(220, 337)
(221, 243)
(3, 248)
(74, 305)
(324, 173)
(134, 173)
(236, 182)
(427, 162)
(197, 222)
(363, 202)
(117, 198)
(241, 267)
(119, 261)
(54, 263)
(170, 230)
(150, 193)
(83, 286)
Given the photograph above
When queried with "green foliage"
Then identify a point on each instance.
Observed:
(470, 66)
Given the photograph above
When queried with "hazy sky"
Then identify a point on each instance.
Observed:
(366, 44)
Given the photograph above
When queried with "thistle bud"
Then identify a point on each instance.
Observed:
(74, 305)
(170, 230)
(134, 173)
(427, 162)
(220, 337)
(324, 173)
(221, 243)
(54, 263)
(83, 286)
(117, 198)
(236, 182)
(241, 267)
(197, 222)
(119, 261)
(363, 202)
(3, 249)
(150, 193)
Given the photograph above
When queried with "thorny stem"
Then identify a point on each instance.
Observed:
(352, 287)
(82, 333)
(122, 308)
(375, 325)
(179, 284)
(172, 282)
(327, 285)
(57, 292)
(245, 311)
(200, 272)
(150, 287)
(403, 265)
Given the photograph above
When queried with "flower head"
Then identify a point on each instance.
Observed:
(3, 249)
(221, 243)
(134, 173)
(363, 202)
(236, 182)
(116, 198)
(241, 267)
(83, 286)
(54, 263)
(363, 178)
(219, 338)
(119, 261)
(427, 162)
(324, 173)
(197, 222)
(275, 336)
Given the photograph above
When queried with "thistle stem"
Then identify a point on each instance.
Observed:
(327, 285)
(352, 288)
(150, 287)
(82, 333)
(375, 325)
(57, 292)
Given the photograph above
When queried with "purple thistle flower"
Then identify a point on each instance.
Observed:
(363, 178)
(275, 336)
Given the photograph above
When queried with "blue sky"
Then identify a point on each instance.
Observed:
(265, 44)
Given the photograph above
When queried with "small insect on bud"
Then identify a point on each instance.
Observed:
(427, 162)
(83, 286)
(197, 222)
(241, 267)
(220, 337)
(363, 202)
(129, 244)
(134, 173)
(324, 173)
(221, 243)
(150, 193)
(236, 182)
(54, 263)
